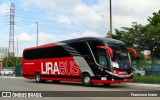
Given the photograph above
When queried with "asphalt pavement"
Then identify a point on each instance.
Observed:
(12, 84)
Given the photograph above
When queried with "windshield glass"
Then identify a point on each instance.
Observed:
(121, 60)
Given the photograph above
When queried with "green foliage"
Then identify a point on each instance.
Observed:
(19, 61)
(142, 37)
(12, 61)
(155, 19)
(147, 79)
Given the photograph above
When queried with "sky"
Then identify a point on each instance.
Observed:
(66, 19)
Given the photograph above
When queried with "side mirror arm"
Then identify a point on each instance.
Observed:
(134, 52)
(108, 49)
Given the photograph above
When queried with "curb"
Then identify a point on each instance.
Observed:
(11, 77)
(143, 84)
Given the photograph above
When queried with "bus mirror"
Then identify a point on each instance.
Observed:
(110, 51)
(134, 52)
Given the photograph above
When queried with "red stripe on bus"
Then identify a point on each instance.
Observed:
(111, 82)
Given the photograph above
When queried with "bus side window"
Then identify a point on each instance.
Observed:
(48, 52)
(83, 49)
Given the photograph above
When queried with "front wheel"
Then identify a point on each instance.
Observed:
(87, 80)
(38, 78)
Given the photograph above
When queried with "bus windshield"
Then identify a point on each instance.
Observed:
(121, 60)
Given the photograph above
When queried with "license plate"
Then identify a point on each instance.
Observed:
(103, 78)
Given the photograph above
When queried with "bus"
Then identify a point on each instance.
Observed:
(89, 60)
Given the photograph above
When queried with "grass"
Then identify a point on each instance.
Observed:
(147, 79)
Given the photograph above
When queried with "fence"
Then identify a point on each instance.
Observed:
(17, 70)
(151, 71)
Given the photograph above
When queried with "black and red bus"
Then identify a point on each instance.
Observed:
(88, 60)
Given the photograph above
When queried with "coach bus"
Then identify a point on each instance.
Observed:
(88, 60)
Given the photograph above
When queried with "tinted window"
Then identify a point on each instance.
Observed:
(100, 55)
(117, 46)
(123, 47)
(93, 45)
(49, 52)
(83, 49)
(114, 46)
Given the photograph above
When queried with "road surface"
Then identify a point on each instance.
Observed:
(21, 84)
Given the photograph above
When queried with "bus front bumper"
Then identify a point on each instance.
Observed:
(112, 81)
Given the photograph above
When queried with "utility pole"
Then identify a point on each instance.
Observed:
(37, 34)
(17, 47)
(11, 34)
(110, 18)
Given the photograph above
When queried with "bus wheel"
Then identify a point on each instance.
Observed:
(86, 80)
(38, 78)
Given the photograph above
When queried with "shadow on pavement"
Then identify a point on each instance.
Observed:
(80, 84)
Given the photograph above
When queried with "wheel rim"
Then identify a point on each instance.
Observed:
(37, 78)
(87, 80)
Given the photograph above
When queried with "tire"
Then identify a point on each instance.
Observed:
(38, 79)
(87, 80)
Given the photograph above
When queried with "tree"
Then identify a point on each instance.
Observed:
(142, 37)
(12, 61)
(150, 40)
(130, 36)
(152, 35)
(155, 19)
(155, 22)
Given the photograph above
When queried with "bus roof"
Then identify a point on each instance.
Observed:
(102, 39)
